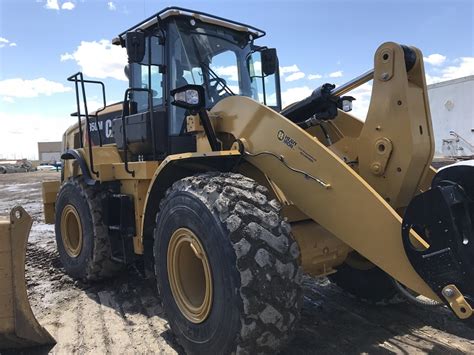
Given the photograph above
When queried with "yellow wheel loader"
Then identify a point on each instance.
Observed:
(18, 326)
(229, 198)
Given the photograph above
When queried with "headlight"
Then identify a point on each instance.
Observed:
(189, 96)
(346, 105)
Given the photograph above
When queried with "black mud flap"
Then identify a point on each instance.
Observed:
(444, 217)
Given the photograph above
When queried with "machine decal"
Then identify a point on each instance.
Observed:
(290, 142)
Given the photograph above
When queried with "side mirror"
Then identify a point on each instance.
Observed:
(135, 42)
(190, 97)
(269, 61)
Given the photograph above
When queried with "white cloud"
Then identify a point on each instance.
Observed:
(29, 129)
(68, 5)
(314, 76)
(228, 73)
(5, 42)
(99, 59)
(289, 69)
(360, 106)
(336, 74)
(294, 73)
(462, 67)
(18, 87)
(294, 94)
(66, 56)
(435, 59)
(111, 6)
(52, 5)
(295, 76)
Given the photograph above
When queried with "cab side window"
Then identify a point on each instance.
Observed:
(263, 86)
(146, 75)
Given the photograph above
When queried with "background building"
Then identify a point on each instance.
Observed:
(49, 152)
(452, 112)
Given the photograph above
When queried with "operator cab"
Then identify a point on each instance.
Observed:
(178, 47)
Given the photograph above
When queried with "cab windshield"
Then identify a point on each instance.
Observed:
(211, 56)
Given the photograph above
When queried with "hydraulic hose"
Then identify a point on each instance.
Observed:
(426, 302)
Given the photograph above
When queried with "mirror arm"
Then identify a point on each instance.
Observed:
(209, 130)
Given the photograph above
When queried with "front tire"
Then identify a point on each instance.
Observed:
(81, 236)
(226, 266)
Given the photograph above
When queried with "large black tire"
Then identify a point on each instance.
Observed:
(253, 260)
(93, 260)
(370, 285)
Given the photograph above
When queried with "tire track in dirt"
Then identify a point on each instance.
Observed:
(68, 328)
(95, 339)
(400, 330)
(161, 333)
(118, 334)
(143, 336)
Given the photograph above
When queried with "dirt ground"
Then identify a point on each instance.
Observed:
(123, 315)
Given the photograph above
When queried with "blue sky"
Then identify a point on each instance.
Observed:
(42, 42)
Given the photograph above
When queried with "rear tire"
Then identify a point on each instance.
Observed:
(252, 258)
(81, 236)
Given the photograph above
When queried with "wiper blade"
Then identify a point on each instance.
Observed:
(219, 80)
(213, 74)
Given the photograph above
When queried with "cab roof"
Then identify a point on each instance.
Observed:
(174, 11)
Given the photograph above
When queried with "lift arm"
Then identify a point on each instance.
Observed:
(356, 205)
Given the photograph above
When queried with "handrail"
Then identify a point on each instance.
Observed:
(459, 137)
(79, 78)
(259, 32)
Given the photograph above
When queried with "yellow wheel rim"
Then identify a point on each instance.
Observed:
(71, 231)
(189, 275)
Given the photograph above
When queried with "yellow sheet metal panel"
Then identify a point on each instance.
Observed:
(144, 170)
(49, 191)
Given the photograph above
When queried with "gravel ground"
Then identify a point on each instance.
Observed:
(123, 315)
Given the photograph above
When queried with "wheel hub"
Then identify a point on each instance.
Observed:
(71, 231)
(189, 275)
